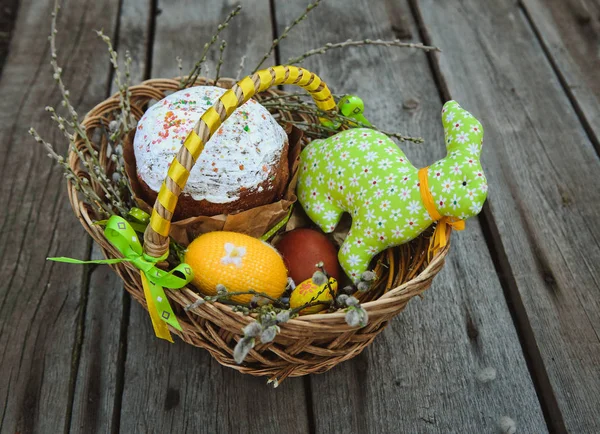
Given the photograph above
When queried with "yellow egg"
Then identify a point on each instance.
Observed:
(237, 261)
(308, 291)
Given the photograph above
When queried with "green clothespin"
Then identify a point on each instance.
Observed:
(353, 107)
(349, 106)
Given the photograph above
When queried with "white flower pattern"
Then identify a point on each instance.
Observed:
(233, 254)
(361, 171)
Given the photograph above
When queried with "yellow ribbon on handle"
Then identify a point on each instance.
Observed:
(242, 91)
(439, 239)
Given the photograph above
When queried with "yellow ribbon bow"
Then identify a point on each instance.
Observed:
(439, 239)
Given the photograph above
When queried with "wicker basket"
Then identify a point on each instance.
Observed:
(307, 344)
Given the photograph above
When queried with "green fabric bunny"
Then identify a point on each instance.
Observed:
(364, 173)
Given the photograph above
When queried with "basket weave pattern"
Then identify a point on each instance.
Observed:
(307, 344)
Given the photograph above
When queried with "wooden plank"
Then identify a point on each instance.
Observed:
(41, 303)
(177, 387)
(97, 394)
(544, 205)
(420, 374)
(569, 32)
(98, 389)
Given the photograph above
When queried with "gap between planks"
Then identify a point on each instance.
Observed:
(562, 80)
(78, 341)
(90, 270)
(8, 17)
(533, 357)
(125, 301)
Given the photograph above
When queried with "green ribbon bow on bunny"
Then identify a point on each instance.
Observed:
(120, 233)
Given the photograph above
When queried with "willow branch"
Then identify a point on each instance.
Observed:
(299, 107)
(351, 43)
(220, 62)
(90, 161)
(286, 32)
(195, 72)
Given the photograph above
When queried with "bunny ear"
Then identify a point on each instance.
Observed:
(461, 129)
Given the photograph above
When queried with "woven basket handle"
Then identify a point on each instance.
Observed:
(156, 237)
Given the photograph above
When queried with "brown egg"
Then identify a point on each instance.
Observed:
(302, 249)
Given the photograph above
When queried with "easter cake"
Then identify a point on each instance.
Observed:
(243, 165)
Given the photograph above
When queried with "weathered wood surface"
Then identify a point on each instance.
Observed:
(179, 388)
(544, 203)
(420, 374)
(76, 356)
(99, 381)
(41, 303)
(570, 33)
(96, 401)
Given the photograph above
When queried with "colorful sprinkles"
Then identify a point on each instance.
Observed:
(237, 158)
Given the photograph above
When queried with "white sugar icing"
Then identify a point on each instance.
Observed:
(240, 154)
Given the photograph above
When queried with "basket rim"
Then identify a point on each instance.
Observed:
(317, 320)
